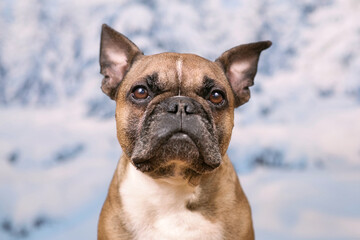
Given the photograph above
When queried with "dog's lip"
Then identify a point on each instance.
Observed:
(213, 166)
(144, 164)
(179, 135)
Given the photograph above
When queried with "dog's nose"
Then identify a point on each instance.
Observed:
(181, 105)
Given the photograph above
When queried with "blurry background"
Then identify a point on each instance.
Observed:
(295, 145)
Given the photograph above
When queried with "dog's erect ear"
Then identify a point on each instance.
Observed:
(240, 66)
(117, 53)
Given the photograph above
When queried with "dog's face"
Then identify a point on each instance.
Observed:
(175, 111)
(174, 107)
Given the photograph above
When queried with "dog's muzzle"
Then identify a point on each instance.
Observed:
(178, 128)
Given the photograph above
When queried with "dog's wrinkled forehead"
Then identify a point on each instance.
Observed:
(181, 73)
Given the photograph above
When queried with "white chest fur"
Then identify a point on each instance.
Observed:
(157, 210)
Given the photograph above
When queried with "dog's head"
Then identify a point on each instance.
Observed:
(175, 109)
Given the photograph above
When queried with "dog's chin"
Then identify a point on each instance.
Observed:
(179, 149)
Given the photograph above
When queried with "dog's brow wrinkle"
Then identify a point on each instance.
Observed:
(179, 63)
(152, 82)
(208, 82)
(152, 79)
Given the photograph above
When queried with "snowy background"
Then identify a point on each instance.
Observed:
(296, 144)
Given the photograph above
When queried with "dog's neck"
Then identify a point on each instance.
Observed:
(158, 208)
(175, 184)
(175, 173)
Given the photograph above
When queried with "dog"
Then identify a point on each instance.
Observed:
(174, 119)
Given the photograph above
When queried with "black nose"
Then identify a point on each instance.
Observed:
(181, 105)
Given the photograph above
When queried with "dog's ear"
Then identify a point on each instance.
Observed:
(240, 66)
(117, 53)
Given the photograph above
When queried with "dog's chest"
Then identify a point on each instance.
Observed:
(156, 210)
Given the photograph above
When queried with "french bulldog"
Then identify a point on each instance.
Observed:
(174, 119)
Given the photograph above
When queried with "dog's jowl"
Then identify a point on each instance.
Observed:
(174, 118)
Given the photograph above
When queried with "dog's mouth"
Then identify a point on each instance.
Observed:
(181, 136)
(179, 146)
(171, 143)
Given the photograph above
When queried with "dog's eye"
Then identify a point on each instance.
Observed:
(216, 97)
(140, 93)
